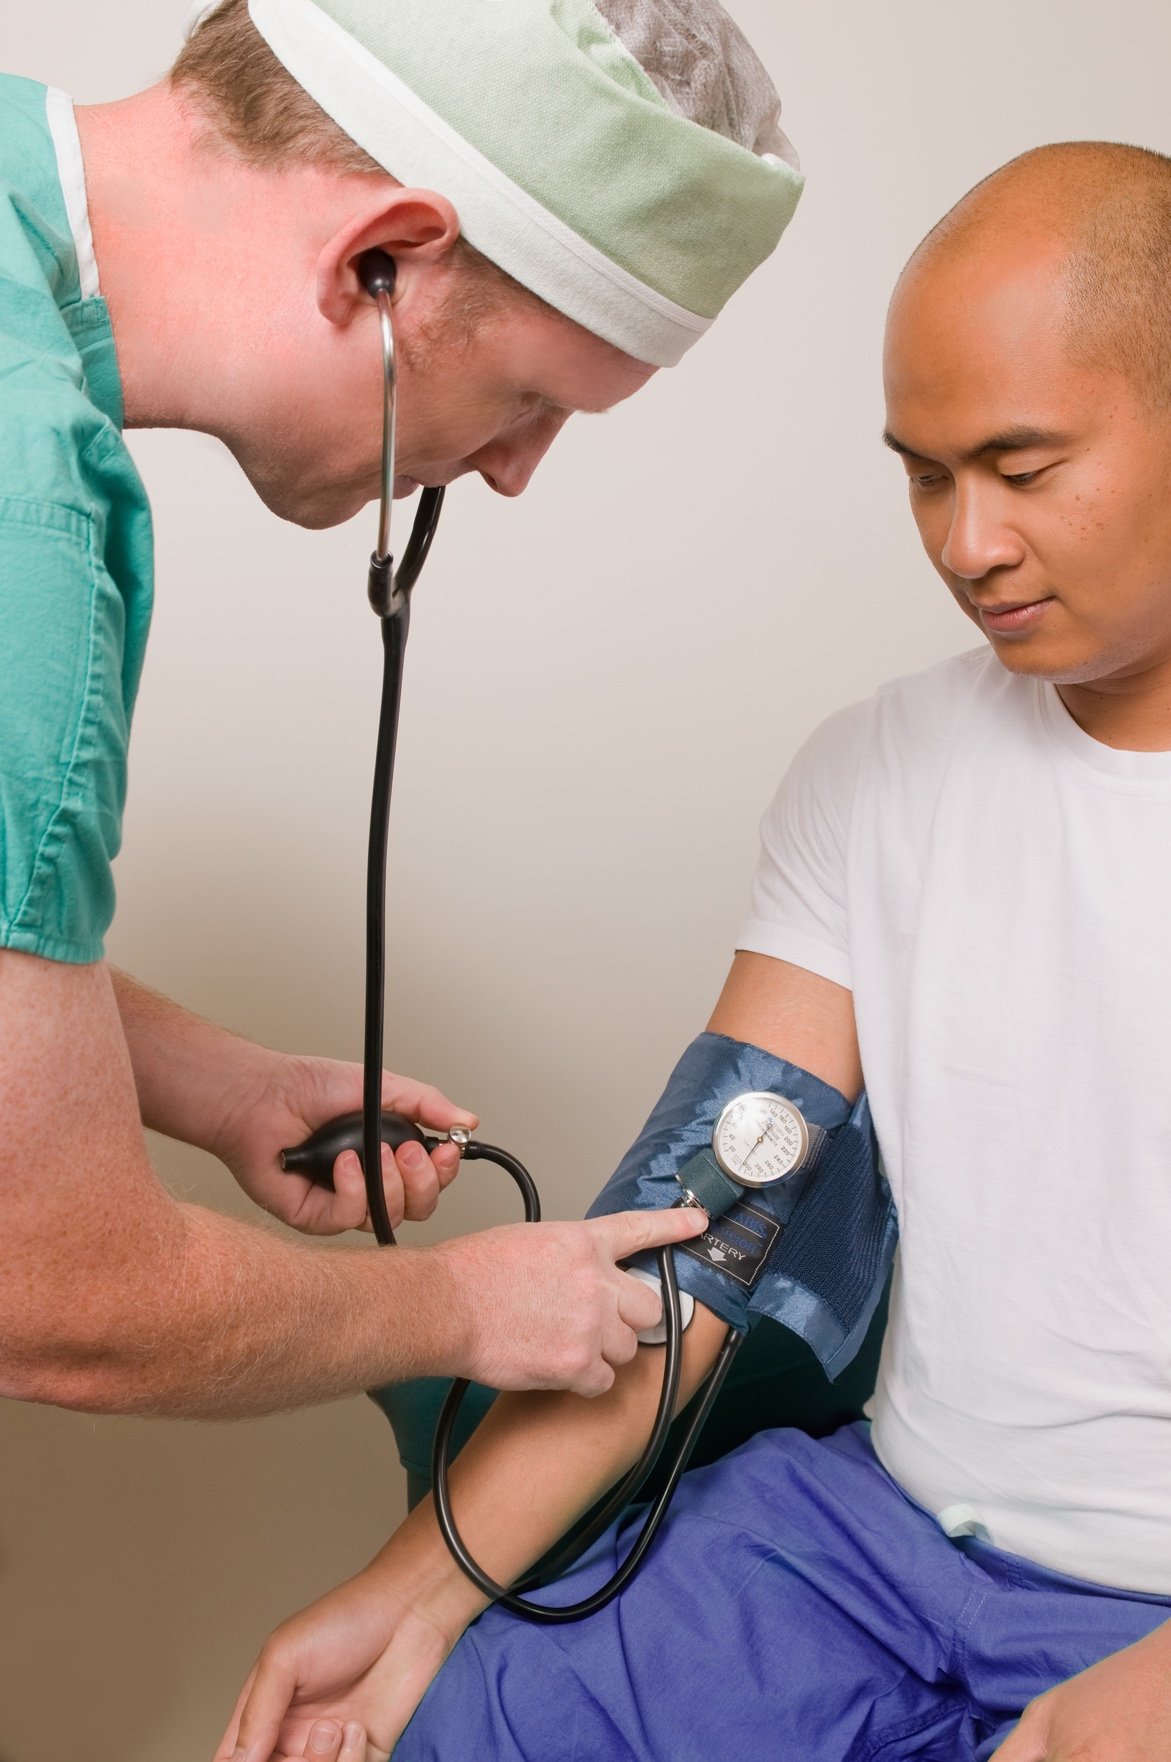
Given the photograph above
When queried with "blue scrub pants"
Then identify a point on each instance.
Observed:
(797, 1607)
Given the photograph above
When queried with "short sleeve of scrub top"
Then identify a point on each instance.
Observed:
(76, 570)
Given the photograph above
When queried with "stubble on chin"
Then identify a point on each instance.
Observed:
(294, 492)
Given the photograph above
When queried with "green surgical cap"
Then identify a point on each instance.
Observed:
(567, 167)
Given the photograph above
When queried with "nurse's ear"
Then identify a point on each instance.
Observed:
(418, 228)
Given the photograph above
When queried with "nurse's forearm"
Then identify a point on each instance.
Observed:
(115, 1298)
(161, 1308)
(195, 1315)
(189, 1073)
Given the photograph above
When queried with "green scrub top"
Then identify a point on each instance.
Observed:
(76, 562)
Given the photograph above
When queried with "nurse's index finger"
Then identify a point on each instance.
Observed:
(625, 1232)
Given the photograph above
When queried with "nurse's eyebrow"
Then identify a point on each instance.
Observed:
(1011, 440)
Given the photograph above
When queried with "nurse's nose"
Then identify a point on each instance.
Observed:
(507, 463)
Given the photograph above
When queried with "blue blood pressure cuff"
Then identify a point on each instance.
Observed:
(812, 1251)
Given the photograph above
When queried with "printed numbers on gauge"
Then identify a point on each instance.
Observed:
(760, 1138)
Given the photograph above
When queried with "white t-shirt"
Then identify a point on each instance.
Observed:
(995, 888)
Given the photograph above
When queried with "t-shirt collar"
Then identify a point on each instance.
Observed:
(1108, 761)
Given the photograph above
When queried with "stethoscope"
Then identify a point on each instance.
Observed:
(390, 596)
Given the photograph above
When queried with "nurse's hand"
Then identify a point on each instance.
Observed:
(283, 1099)
(245, 1103)
(1117, 1711)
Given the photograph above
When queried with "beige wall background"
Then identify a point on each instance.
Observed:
(606, 681)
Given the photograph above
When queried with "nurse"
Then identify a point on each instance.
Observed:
(569, 202)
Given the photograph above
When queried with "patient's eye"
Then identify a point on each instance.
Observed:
(1020, 478)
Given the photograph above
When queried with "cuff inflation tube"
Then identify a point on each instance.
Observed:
(390, 596)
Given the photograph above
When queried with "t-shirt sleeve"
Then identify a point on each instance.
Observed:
(63, 731)
(797, 910)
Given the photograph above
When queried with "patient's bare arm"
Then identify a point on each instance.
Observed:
(364, 1655)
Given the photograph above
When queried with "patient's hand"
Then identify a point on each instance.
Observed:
(340, 1681)
(1117, 1711)
(363, 1656)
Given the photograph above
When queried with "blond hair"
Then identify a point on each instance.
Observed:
(253, 108)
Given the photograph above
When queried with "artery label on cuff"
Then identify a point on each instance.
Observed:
(737, 1243)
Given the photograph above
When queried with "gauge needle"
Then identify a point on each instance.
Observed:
(744, 1160)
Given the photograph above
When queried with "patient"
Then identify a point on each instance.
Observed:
(962, 901)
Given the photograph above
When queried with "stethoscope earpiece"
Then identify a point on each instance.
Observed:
(377, 273)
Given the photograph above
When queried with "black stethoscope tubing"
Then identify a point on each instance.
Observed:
(390, 595)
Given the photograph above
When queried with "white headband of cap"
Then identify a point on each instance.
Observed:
(565, 165)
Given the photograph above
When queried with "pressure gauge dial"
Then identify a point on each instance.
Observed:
(760, 1138)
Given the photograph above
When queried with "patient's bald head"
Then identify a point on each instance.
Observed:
(1028, 382)
(1098, 215)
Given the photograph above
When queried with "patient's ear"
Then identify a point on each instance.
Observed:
(415, 227)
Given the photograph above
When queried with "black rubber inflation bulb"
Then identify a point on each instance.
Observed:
(377, 273)
(316, 1156)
